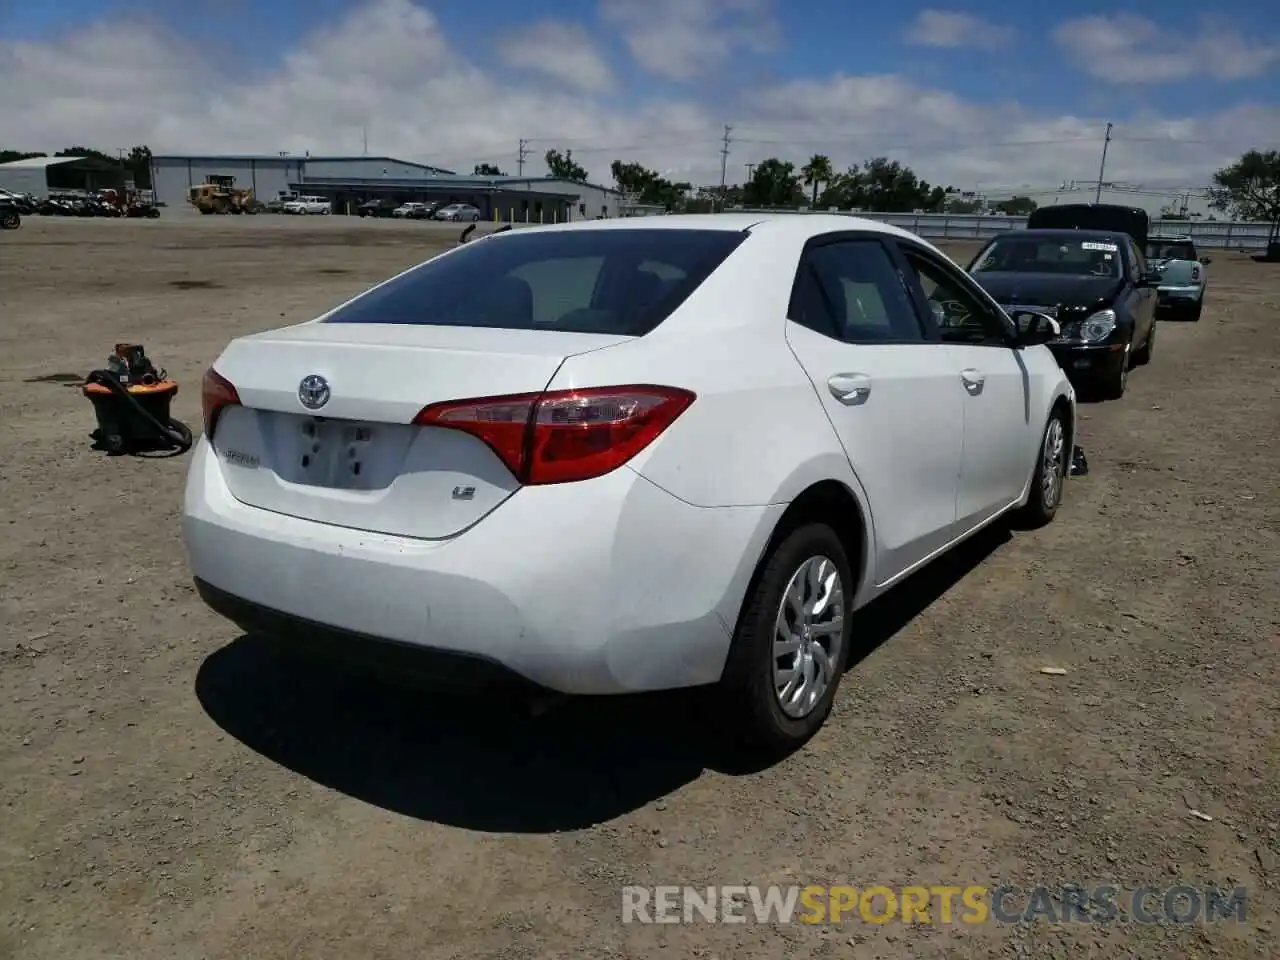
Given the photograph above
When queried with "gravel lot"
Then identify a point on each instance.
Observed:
(171, 789)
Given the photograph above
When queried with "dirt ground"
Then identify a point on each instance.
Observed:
(171, 789)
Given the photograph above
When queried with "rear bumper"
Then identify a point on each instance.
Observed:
(609, 586)
(1179, 300)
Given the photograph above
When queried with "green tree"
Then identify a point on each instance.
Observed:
(487, 170)
(1249, 189)
(650, 188)
(773, 183)
(8, 156)
(562, 166)
(139, 164)
(1016, 206)
(817, 172)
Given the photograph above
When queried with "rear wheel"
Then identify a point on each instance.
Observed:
(1045, 494)
(1195, 311)
(791, 645)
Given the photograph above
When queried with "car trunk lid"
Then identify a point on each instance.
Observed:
(358, 460)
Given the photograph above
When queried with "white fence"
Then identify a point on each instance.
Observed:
(1213, 234)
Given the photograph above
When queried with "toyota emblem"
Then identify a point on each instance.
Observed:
(313, 391)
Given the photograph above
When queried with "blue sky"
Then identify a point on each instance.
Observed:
(618, 72)
(819, 37)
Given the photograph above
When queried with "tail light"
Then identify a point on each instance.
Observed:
(1195, 272)
(216, 392)
(565, 435)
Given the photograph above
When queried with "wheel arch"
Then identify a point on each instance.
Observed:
(835, 503)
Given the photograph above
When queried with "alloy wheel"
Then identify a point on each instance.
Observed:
(808, 635)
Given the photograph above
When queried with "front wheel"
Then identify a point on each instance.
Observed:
(1143, 356)
(1045, 495)
(10, 221)
(791, 644)
(1116, 382)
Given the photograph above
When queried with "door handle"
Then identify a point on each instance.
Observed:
(850, 388)
(973, 380)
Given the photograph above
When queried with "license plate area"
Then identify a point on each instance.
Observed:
(334, 453)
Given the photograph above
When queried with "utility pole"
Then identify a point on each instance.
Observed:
(1102, 169)
(364, 135)
(523, 152)
(724, 160)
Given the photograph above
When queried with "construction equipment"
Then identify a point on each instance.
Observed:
(131, 399)
(221, 197)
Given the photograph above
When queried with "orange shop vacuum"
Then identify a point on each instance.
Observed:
(131, 399)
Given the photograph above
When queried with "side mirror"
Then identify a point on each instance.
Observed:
(1035, 328)
(1206, 261)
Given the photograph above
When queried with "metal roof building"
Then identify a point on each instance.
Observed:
(42, 175)
(348, 181)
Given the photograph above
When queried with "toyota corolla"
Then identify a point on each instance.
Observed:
(625, 455)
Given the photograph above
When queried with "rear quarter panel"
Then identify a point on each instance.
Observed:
(757, 433)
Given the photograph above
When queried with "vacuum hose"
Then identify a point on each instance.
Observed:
(177, 432)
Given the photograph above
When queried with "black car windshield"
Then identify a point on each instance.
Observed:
(1170, 250)
(1068, 255)
(614, 281)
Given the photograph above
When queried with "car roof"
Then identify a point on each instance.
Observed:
(1067, 233)
(781, 225)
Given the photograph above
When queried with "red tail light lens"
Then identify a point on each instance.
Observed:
(1195, 272)
(216, 392)
(566, 435)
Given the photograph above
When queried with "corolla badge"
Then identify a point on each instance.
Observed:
(313, 391)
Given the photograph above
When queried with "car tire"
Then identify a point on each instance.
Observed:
(749, 704)
(475, 218)
(1195, 312)
(1143, 357)
(1053, 463)
(1114, 387)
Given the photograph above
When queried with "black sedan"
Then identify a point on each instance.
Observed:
(376, 208)
(1095, 283)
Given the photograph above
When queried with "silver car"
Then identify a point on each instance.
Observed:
(1183, 276)
(458, 211)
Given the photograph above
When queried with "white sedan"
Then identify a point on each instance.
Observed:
(625, 455)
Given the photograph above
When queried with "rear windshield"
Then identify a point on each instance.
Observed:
(1171, 250)
(578, 281)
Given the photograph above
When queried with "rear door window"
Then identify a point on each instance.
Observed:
(851, 290)
(623, 281)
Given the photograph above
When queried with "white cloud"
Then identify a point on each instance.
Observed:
(1125, 48)
(562, 51)
(389, 67)
(952, 29)
(683, 39)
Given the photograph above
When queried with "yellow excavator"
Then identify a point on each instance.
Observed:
(218, 196)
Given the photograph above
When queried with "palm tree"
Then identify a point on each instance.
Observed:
(817, 172)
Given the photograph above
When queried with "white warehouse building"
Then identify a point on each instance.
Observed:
(349, 181)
